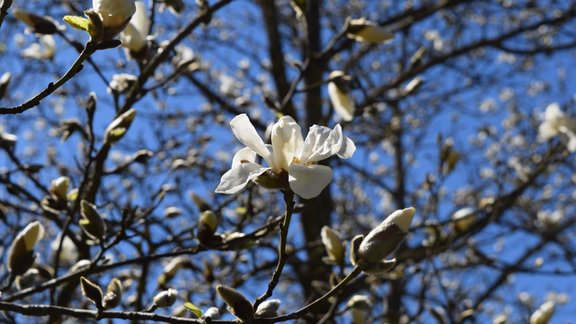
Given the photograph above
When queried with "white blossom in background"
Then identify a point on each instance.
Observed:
(363, 30)
(68, 251)
(121, 82)
(43, 50)
(338, 94)
(556, 123)
(289, 153)
(114, 13)
(134, 36)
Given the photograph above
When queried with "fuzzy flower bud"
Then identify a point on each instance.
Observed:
(165, 298)
(237, 303)
(92, 223)
(59, 188)
(384, 239)
(116, 130)
(268, 308)
(543, 314)
(113, 295)
(114, 13)
(333, 245)
(21, 253)
(362, 30)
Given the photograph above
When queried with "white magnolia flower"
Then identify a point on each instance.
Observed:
(43, 50)
(338, 93)
(133, 37)
(363, 30)
(114, 13)
(289, 153)
(556, 123)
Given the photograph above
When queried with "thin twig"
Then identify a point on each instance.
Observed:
(289, 199)
(88, 50)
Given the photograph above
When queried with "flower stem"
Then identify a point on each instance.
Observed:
(289, 200)
(297, 314)
(88, 50)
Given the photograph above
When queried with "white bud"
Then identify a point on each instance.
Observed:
(333, 245)
(362, 30)
(338, 93)
(114, 13)
(385, 238)
(21, 253)
(268, 308)
(543, 314)
(165, 298)
(463, 219)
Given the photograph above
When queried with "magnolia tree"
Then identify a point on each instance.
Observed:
(268, 161)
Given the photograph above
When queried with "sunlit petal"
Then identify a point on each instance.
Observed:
(309, 181)
(286, 139)
(247, 135)
(244, 155)
(237, 178)
(321, 143)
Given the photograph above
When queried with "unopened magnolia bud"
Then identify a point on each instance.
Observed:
(543, 314)
(8, 141)
(362, 30)
(4, 82)
(37, 24)
(200, 203)
(333, 245)
(116, 130)
(59, 188)
(338, 93)
(360, 305)
(359, 301)
(172, 212)
(268, 308)
(81, 265)
(463, 219)
(92, 222)
(91, 291)
(385, 238)
(165, 298)
(175, 264)
(212, 313)
(21, 253)
(114, 15)
(237, 303)
(113, 295)
(207, 225)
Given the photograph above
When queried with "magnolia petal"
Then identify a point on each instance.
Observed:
(553, 112)
(237, 178)
(546, 131)
(244, 155)
(140, 18)
(286, 140)
(347, 149)
(321, 143)
(571, 145)
(309, 181)
(247, 135)
(341, 101)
